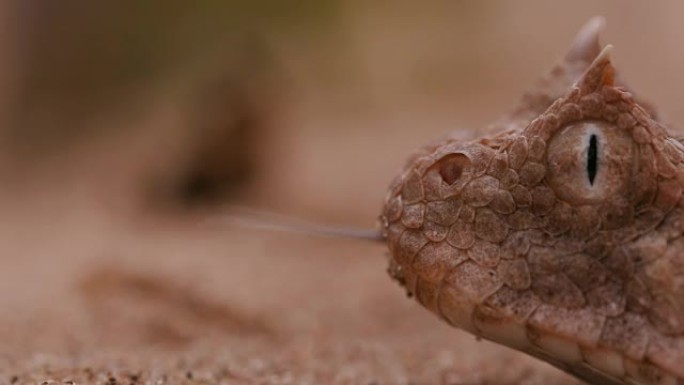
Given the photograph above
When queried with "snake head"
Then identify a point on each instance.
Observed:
(560, 236)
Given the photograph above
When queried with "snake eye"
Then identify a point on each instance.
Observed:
(589, 161)
(592, 158)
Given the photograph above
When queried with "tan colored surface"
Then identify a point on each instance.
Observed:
(226, 306)
(92, 286)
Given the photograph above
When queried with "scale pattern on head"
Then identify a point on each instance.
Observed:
(561, 236)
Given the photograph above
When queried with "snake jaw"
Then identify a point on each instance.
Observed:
(507, 238)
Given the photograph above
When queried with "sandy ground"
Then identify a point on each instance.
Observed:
(96, 288)
(185, 303)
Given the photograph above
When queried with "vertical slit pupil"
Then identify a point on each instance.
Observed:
(592, 158)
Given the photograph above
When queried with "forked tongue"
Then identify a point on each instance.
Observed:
(256, 219)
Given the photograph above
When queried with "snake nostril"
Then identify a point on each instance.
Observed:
(451, 167)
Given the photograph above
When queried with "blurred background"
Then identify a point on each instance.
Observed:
(127, 128)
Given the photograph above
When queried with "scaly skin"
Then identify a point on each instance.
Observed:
(562, 236)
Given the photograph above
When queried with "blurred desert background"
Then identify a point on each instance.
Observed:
(128, 128)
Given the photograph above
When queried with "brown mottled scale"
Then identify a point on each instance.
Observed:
(562, 234)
